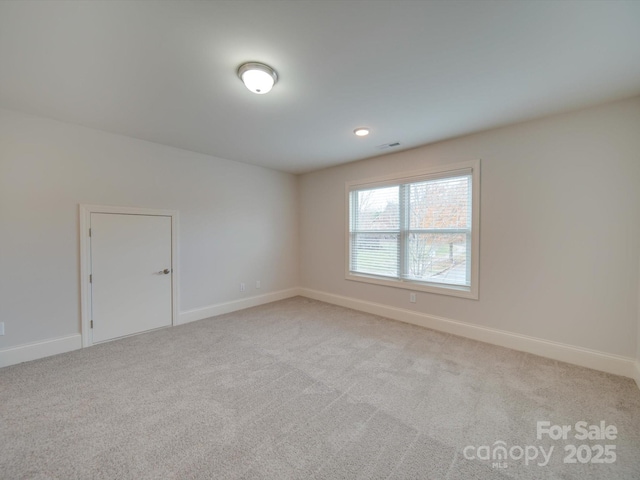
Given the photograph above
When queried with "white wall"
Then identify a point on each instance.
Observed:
(237, 222)
(560, 228)
(560, 224)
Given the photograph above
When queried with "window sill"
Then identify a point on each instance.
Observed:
(450, 290)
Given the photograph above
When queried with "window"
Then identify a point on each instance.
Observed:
(417, 231)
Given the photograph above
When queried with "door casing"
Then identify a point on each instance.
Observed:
(85, 260)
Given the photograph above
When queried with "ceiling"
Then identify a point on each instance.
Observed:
(415, 72)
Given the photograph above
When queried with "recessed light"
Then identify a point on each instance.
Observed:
(361, 131)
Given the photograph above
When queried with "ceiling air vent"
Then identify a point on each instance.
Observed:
(384, 146)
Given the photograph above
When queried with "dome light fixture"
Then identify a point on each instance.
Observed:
(257, 77)
(361, 131)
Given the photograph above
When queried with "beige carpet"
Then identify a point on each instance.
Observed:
(303, 389)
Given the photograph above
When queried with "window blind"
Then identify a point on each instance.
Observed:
(415, 230)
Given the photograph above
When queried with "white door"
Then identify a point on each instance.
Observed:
(131, 274)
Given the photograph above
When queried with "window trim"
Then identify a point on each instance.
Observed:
(440, 171)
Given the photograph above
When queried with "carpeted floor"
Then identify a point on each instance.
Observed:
(303, 389)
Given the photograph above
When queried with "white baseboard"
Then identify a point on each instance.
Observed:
(228, 307)
(35, 350)
(618, 365)
(605, 362)
(54, 346)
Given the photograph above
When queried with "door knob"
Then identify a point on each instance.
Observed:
(166, 271)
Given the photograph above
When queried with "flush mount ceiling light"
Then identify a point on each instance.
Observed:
(257, 77)
(361, 131)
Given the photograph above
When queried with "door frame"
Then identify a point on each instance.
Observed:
(85, 260)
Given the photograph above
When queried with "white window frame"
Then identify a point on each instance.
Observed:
(441, 171)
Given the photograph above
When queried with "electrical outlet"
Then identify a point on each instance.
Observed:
(258, 284)
(242, 286)
(412, 297)
(1, 328)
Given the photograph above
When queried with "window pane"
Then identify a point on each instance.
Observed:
(438, 258)
(375, 254)
(377, 209)
(416, 230)
(442, 203)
